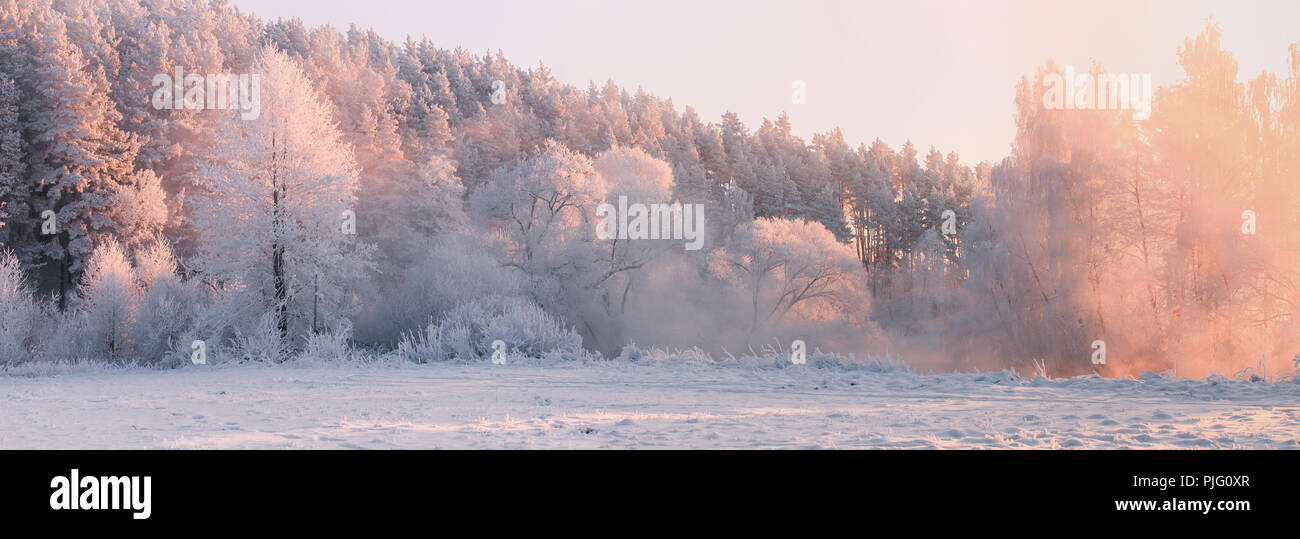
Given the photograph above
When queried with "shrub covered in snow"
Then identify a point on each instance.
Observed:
(18, 312)
(767, 357)
(455, 271)
(64, 336)
(167, 306)
(108, 300)
(467, 333)
(334, 345)
(259, 342)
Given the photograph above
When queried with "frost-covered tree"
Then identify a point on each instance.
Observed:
(786, 266)
(167, 305)
(612, 274)
(75, 149)
(1094, 226)
(273, 202)
(19, 313)
(138, 209)
(108, 301)
(13, 190)
(540, 205)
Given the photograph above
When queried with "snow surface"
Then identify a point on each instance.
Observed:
(615, 404)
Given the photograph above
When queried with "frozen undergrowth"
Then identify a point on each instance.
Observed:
(333, 351)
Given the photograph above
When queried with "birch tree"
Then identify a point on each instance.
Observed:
(274, 195)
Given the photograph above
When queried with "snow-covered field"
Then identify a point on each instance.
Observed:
(623, 405)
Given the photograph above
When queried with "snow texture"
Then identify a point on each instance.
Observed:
(623, 404)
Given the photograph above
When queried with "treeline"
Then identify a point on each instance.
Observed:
(473, 181)
(1173, 242)
(82, 73)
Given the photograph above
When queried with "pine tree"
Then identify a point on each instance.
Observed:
(13, 190)
(76, 151)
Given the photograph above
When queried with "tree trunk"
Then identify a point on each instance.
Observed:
(277, 249)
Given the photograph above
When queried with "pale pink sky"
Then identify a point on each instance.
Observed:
(938, 72)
